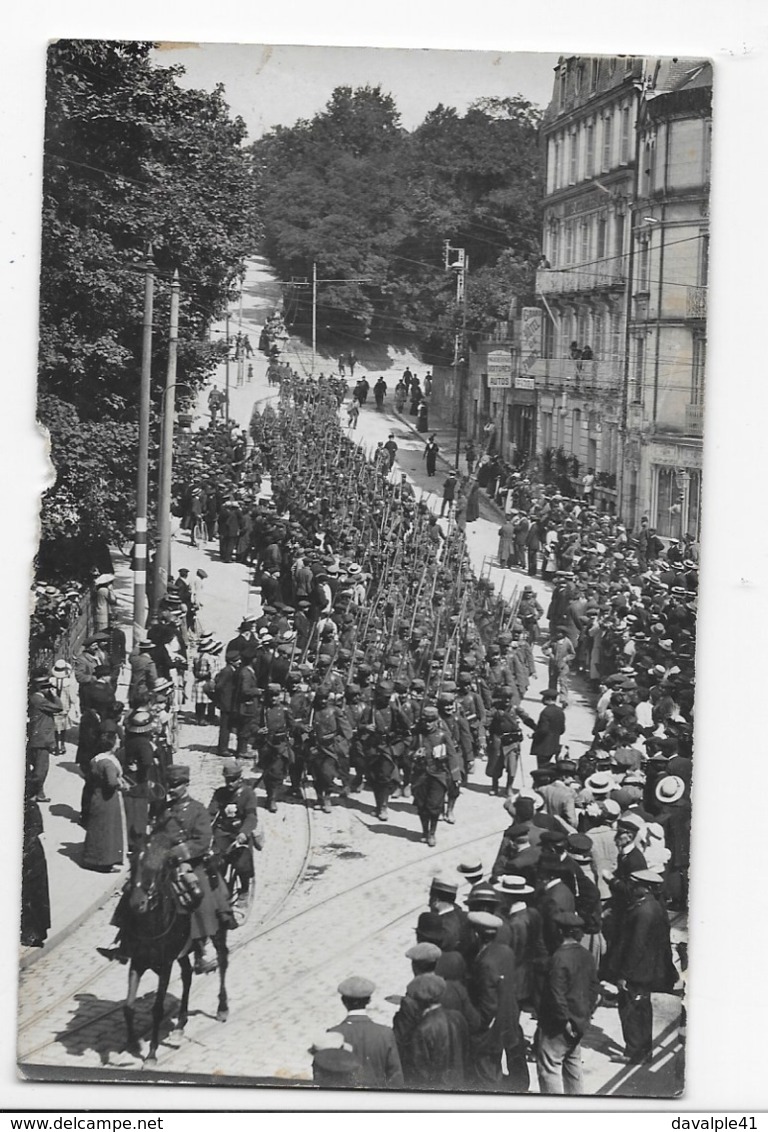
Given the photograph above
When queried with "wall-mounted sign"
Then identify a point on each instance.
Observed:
(499, 369)
(525, 383)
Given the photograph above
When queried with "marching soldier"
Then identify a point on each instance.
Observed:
(383, 726)
(457, 727)
(277, 725)
(470, 704)
(505, 737)
(436, 767)
(235, 824)
(329, 728)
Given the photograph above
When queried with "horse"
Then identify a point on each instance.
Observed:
(155, 933)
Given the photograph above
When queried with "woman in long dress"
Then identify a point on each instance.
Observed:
(35, 898)
(103, 846)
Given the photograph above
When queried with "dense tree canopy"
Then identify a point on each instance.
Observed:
(372, 205)
(131, 159)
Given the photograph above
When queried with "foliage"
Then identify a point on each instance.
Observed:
(131, 159)
(372, 205)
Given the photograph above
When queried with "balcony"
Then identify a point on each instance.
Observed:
(578, 280)
(696, 302)
(694, 420)
(558, 375)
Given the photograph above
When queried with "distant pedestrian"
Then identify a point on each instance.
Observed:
(379, 393)
(353, 412)
(470, 455)
(449, 493)
(103, 846)
(422, 416)
(352, 362)
(430, 455)
(342, 366)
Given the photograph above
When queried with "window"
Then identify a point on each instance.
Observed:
(573, 175)
(554, 245)
(594, 72)
(642, 281)
(602, 233)
(598, 327)
(569, 243)
(704, 260)
(589, 161)
(667, 502)
(584, 242)
(546, 430)
(579, 77)
(616, 349)
(558, 162)
(618, 236)
(637, 377)
(698, 365)
(607, 143)
(626, 136)
(561, 83)
(576, 432)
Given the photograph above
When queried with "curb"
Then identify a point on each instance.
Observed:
(34, 955)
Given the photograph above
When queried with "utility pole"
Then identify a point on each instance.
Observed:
(163, 555)
(461, 266)
(314, 313)
(142, 483)
(226, 372)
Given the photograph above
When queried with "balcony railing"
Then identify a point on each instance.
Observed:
(588, 277)
(558, 374)
(694, 420)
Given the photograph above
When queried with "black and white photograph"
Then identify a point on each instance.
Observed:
(369, 587)
(362, 652)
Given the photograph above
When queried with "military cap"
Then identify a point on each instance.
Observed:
(429, 927)
(273, 689)
(449, 687)
(554, 838)
(385, 688)
(323, 660)
(566, 766)
(444, 888)
(427, 989)
(568, 919)
(485, 922)
(418, 685)
(518, 830)
(630, 822)
(306, 669)
(338, 1061)
(177, 774)
(504, 638)
(580, 845)
(549, 694)
(430, 714)
(465, 678)
(425, 952)
(231, 654)
(231, 768)
(400, 685)
(356, 987)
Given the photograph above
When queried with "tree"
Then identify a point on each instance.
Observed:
(130, 159)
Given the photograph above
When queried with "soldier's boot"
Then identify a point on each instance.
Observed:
(271, 802)
(425, 828)
(431, 838)
(355, 783)
(60, 748)
(325, 802)
(206, 959)
(380, 797)
(449, 812)
(494, 786)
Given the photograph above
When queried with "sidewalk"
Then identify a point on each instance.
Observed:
(76, 892)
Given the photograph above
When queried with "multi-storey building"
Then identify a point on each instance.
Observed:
(589, 137)
(661, 468)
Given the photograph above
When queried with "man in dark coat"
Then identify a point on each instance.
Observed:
(567, 1004)
(373, 1044)
(225, 699)
(440, 1039)
(550, 727)
(641, 963)
(43, 705)
(492, 986)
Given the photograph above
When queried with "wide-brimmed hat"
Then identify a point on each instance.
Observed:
(600, 783)
(103, 579)
(512, 886)
(670, 788)
(139, 722)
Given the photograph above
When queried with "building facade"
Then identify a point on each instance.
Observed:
(667, 343)
(590, 144)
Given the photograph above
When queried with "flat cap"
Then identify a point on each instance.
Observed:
(555, 838)
(426, 952)
(427, 988)
(356, 987)
(580, 844)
